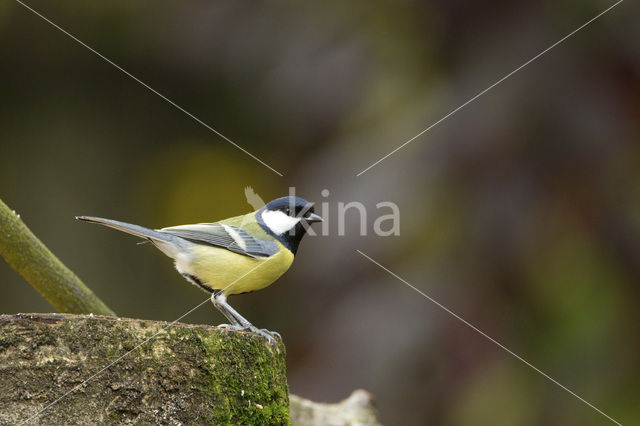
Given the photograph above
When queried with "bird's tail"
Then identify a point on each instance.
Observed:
(138, 231)
(170, 245)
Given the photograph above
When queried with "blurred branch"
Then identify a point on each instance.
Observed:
(25, 253)
(358, 409)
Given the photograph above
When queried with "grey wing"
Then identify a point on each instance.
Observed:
(224, 236)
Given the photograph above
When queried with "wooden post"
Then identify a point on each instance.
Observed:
(161, 373)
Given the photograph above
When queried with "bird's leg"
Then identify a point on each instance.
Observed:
(234, 324)
(220, 301)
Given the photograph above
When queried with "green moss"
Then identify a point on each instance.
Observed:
(242, 365)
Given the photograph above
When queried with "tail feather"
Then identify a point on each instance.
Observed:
(138, 231)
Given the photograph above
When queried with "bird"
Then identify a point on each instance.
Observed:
(237, 255)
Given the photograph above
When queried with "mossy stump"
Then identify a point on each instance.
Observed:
(183, 374)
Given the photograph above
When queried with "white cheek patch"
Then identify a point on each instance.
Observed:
(278, 222)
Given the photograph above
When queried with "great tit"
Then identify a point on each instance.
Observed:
(233, 256)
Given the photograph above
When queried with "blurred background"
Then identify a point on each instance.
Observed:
(521, 212)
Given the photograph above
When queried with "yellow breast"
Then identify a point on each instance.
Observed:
(233, 273)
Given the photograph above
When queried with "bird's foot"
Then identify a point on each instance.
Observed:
(272, 333)
(269, 335)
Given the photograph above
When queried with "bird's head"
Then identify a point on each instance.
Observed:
(287, 219)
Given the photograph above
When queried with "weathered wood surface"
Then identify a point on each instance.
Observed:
(184, 374)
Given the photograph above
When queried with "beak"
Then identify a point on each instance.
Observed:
(313, 218)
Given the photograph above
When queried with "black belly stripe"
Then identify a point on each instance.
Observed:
(198, 282)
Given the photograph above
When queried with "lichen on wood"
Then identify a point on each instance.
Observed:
(183, 374)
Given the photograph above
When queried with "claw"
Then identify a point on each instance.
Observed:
(269, 335)
(266, 334)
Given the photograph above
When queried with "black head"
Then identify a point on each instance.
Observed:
(287, 219)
